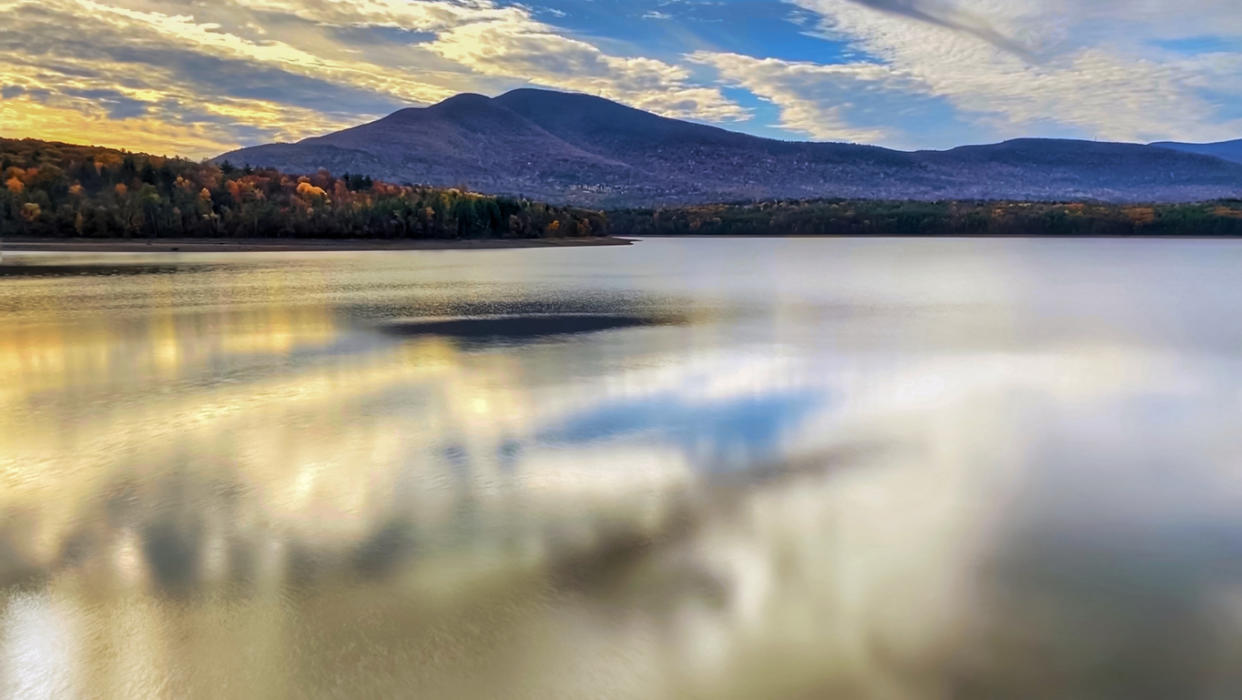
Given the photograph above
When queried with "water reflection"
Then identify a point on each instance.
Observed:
(482, 329)
(714, 435)
(682, 469)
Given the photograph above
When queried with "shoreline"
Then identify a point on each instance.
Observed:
(284, 245)
(962, 236)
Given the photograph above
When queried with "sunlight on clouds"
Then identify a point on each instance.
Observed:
(217, 70)
(911, 74)
(526, 48)
(209, 39)
(74, 100)
(282, 121)
(30, 119)
(427, 15)
(813, 99)
(1089, 75)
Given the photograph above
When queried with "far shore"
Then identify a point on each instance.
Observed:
(280, 245)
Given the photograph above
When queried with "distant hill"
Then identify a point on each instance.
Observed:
(1227, 150)
(573, 148)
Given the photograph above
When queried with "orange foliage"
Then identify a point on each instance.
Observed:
(308, 190)
(1140, 215)
(76, 190)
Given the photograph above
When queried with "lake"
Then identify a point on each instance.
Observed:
(715, 468)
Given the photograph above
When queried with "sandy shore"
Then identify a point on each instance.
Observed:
(275, 245)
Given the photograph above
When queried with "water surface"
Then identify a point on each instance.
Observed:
(688, 468)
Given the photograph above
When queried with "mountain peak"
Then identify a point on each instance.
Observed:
(465, 99)
(542, 93)
(533, 102)
(577, 148)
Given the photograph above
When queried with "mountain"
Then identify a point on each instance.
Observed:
(1227, 150)
(573, 148)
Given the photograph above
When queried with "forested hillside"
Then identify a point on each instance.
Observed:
(905, 218)
(61, 190)
(591, 152)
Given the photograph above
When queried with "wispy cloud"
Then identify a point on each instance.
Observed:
(815, 100)
(520, 47)
(951, 17)
(239, 71)
(1096, 78)
(198, 78)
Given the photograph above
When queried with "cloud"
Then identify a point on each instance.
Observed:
(1096, 78)
(86, 122)
(899, 72)
(824, 102)
(951, 17)
(125, 69)
(241, 71)
(520, 47)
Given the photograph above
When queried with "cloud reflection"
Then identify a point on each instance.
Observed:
(929, 492)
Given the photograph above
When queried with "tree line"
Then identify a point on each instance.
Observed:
(841, 217)
(61, 190)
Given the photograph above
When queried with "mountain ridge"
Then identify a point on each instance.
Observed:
(1225, 150)
(585, 150)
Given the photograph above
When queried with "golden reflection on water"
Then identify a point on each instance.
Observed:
(173, 467)
(910, 475)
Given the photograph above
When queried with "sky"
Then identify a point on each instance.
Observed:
(200, 77)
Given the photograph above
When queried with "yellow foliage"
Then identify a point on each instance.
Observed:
(308, 190)
(204, 194)
(31, 211)
(1140, 215)
(76, 189)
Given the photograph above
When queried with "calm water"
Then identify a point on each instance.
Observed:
(688, 468)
